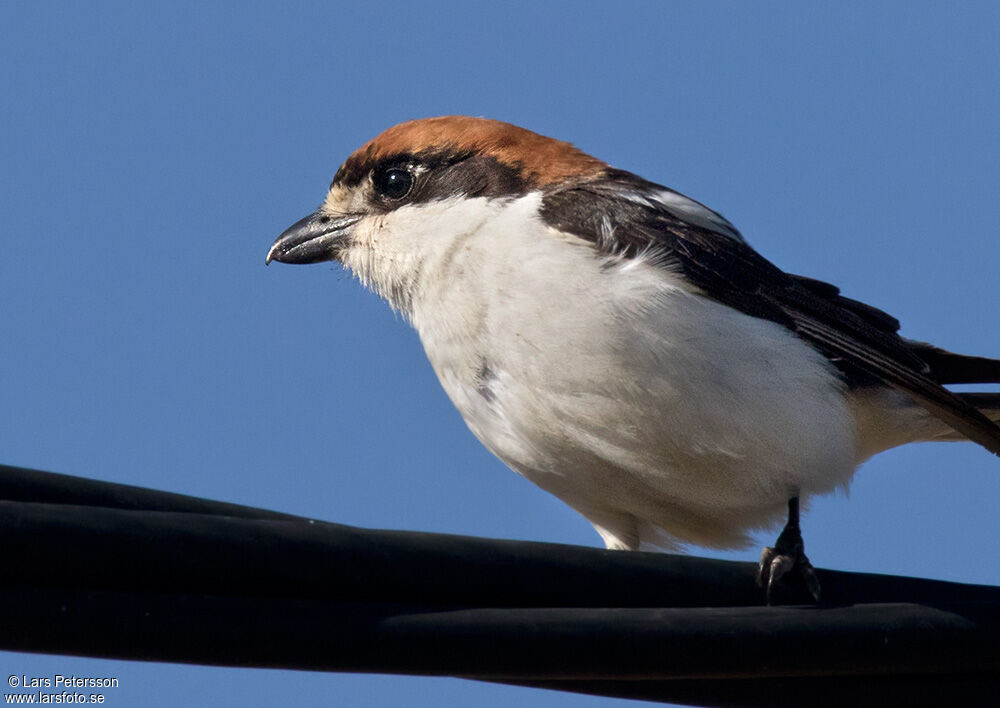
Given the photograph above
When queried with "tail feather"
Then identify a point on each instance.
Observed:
(950, 368)
(885, 419)
(987, 403)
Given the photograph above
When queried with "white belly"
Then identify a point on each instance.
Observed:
(660, 415)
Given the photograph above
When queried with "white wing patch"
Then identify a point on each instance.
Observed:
(689, 210)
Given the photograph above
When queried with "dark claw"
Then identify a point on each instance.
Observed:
(786, 563)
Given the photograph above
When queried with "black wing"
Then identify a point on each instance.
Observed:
(627, 215)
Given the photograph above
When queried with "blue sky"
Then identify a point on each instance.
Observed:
(150, 155)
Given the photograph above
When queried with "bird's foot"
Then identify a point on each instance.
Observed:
(785, 571)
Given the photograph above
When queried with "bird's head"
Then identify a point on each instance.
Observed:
(421, 191)
(418, 187)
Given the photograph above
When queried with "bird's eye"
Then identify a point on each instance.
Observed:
(393, 182)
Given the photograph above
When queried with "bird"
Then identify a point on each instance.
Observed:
(623, 347)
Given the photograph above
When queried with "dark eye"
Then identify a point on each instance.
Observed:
(393, 182)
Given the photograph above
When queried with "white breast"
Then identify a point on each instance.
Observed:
(660, 415)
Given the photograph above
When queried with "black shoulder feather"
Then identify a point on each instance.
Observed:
(623, 214)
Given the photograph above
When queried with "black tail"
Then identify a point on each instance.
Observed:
(988, 403)
(950, 368)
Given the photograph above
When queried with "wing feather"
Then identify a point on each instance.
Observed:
(861, 340)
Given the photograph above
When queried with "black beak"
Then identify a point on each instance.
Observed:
(318, 237)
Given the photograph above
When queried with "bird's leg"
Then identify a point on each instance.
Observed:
(787, 556)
